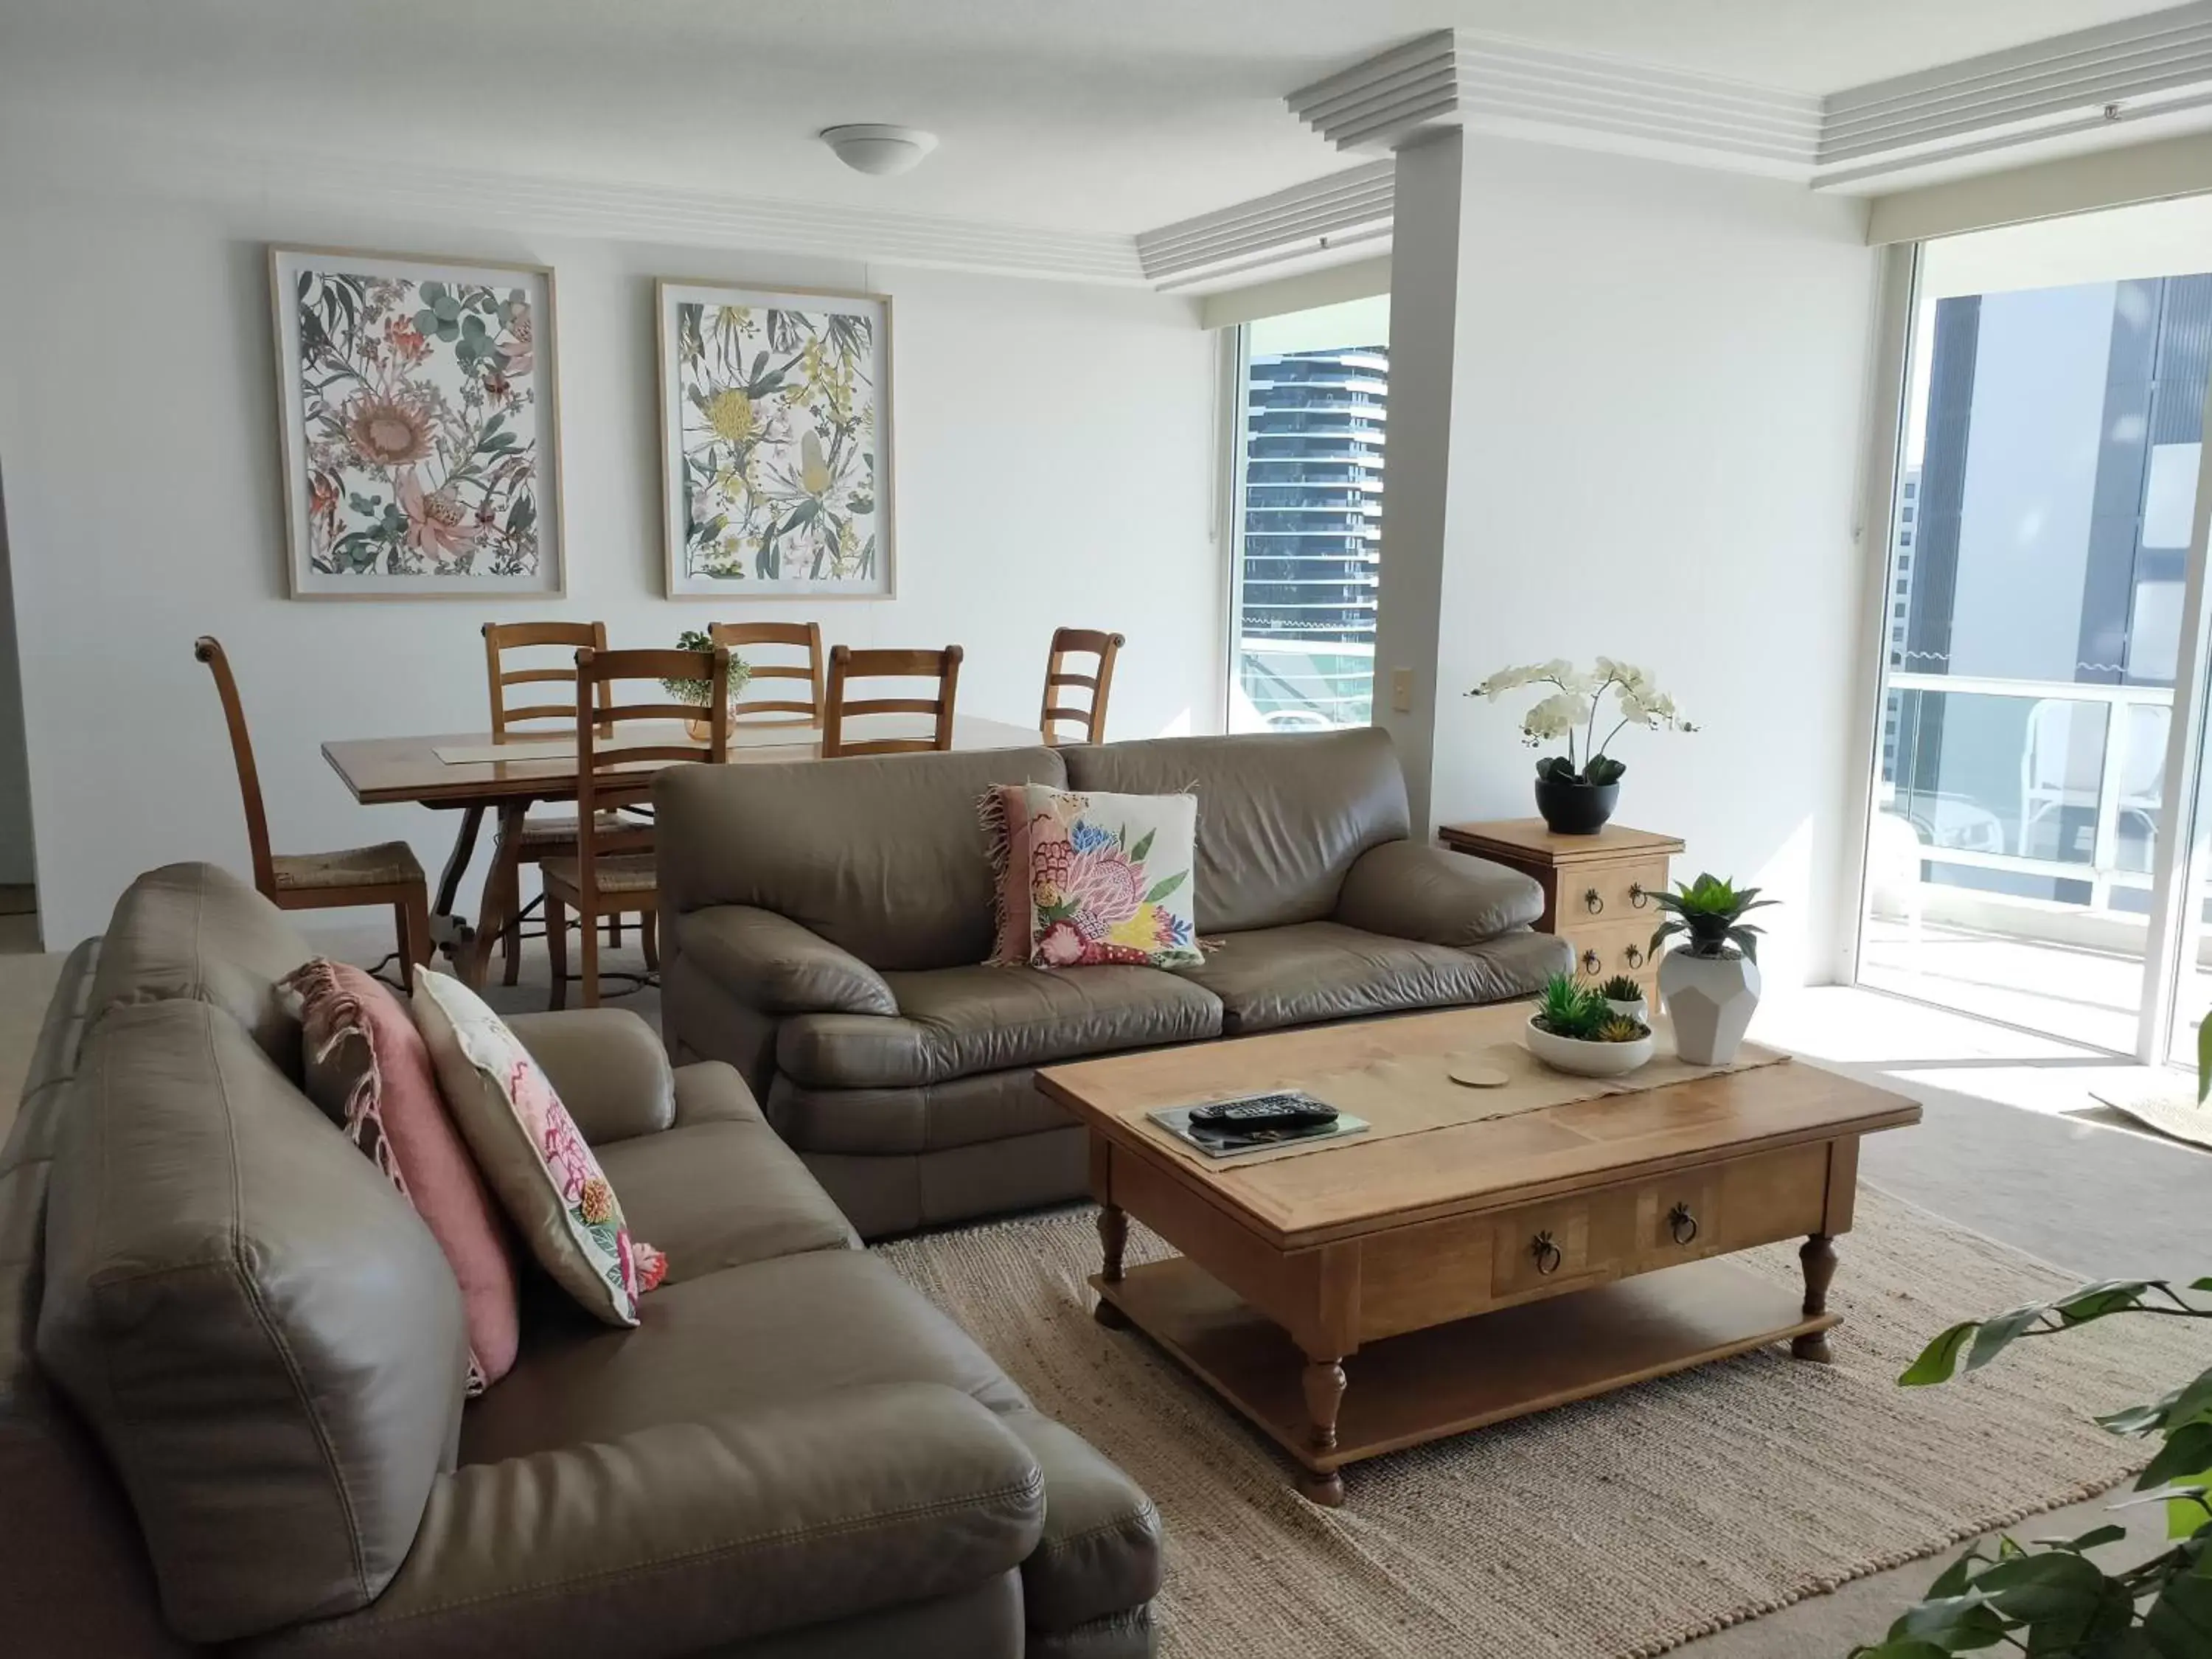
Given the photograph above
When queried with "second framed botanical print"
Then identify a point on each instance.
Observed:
(420, 425)
(775, 438)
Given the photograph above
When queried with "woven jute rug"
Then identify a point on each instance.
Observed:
(1622, 1525)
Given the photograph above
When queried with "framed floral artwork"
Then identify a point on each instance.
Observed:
(421, 432)
(776, 442)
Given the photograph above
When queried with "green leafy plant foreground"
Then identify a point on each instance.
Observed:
(1621, 988)
(1710, 911)
(2049, 1598)
(1567, 1009)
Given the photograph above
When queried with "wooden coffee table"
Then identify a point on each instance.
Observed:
(1367, 1295)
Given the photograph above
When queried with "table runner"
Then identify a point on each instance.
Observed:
(1413, 1094)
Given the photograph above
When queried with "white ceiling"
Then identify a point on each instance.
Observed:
(1083, 115)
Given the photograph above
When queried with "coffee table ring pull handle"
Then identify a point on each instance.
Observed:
(1633, 957)
(1682, 1224)
(1593, 964)
(1546, 1254)
(1593, 902)
(1637, 896)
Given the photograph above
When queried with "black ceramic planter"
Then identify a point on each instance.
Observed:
(1577, 808)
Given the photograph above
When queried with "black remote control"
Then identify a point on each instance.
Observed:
(1275, 1111)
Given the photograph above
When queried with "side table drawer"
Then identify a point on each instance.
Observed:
(1602, 952)
(1607, 895)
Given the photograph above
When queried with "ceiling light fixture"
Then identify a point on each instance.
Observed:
(869, 147)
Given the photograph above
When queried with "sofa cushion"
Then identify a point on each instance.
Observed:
(261, 1334)
(962, 1111)
(1281, 816)
(778, 1331)
(954, 1022)
(1319, 970)
(1100, 1554)
(722, 1193)
(192, 931)
(881, 855)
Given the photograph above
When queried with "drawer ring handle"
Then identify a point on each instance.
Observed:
(1633, 956)
(1593, 964)
(1682, 1224)
(1547, 1254)
(1637, 896)
(1593, 902)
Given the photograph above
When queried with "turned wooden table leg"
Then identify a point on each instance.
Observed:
(1113, 1237)
(1324, 1391)
(1818, 1257)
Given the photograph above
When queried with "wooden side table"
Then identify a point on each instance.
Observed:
(1596, 888)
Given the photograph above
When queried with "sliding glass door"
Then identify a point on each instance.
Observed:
(2038, 624)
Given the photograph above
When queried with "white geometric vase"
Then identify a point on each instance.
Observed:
(1711, 1001)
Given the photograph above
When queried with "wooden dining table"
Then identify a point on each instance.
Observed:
(458, 772)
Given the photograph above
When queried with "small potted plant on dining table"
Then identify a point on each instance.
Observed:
(695, 692)
(1710, 984)
(1576, 792)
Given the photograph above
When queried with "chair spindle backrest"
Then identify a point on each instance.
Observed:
(847, 664)
(1057, 674)
(209, 651)
(500, 638)
(743, 639)
(613, 772)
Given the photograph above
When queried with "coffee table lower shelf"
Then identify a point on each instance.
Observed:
(1406, 1390)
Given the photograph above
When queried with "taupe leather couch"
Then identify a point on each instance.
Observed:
(823, 925)
(230, 1366)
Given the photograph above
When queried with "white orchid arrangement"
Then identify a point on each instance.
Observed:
(1573, 706)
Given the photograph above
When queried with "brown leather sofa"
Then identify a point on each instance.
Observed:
(230, 1366)
(824, 926)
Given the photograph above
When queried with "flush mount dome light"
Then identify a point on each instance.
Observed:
(882, 150)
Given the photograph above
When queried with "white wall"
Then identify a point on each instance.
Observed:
(1054, 466)
(1655, 452)
(16, 866)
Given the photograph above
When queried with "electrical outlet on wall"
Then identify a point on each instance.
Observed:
(1401, 691)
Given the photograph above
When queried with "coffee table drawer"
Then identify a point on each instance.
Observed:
(1721, 1207)
(1546, 1247)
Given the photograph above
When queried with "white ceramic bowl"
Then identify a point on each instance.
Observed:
(1587, 1058)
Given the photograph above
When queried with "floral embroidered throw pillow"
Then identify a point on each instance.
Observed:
(368, 1069)
(531, 1154)
(1110, 879)
(1003, 811)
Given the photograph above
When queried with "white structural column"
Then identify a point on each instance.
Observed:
(1417, 470)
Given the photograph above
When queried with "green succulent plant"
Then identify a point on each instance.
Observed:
(1566, 1008)
(1621, 988)
(1710, 911)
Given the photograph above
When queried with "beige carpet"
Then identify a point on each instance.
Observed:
(1617, 1527)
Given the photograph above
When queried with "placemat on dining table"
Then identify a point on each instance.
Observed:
(1412, 1094)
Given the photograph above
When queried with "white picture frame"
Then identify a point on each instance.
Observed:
(775, 437)
(419, 411)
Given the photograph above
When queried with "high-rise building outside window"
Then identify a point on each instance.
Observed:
(1315, 385)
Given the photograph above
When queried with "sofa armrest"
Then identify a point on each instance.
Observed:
(607, 1065)
(685, 1537)
(1407, 890)
(770, 963)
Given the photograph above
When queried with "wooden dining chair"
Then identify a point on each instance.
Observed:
(387, 873)
(847, 664)
(532, 838)
(611, 872)
(1076, 642)
(744, 639)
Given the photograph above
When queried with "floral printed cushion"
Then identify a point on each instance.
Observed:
(529, 1149)
(368, 1069)
(1004, 812)
(1110, 879)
